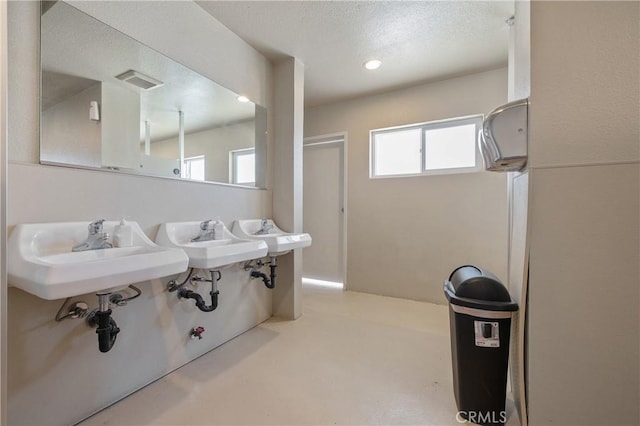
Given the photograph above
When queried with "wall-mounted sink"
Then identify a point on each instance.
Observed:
(278, 241)
(41, 261)
(225, 249)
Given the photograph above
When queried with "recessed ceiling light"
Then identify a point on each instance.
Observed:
(242, 98)
(372, 64)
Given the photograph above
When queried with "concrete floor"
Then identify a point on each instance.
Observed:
(351, 359)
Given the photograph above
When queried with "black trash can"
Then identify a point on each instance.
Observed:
(480, 312)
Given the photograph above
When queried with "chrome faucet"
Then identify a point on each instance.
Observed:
(207, 232)
(96, 239)
(265, 227)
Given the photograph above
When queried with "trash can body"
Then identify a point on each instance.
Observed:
(480, 336)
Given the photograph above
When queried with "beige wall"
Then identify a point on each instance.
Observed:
(584, 300)
(406, 235)
(69, 135)
(56, 373)
(3, 213)
(287, 178)
(214, 144)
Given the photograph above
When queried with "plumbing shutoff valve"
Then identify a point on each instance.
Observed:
(197, 332)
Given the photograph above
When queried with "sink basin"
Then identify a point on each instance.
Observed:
(41, 261)
(278, 241)
(211, 254)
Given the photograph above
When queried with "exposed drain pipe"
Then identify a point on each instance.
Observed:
(272, 267)
(265, 278)
(269, 282)
(200, 303)
(107, 328)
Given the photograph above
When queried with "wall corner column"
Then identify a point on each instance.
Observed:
(287, 181)
(4, 89)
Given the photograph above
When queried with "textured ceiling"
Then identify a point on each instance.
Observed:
(417, 41)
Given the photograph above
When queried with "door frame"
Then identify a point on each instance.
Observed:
(339, 139)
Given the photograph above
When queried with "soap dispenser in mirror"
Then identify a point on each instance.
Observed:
(123, 234)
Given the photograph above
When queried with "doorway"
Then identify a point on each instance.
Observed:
(324, 216)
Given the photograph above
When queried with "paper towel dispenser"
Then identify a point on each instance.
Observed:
(504, 137)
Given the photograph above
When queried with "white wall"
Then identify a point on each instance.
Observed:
(584, 296)
(57, 366)
(406, 235)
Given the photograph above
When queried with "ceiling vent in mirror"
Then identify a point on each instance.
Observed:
(139, 80)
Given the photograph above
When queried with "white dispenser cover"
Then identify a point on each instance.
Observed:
(123, 234)
(503, 139)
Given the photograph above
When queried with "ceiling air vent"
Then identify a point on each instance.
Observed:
(139, 80)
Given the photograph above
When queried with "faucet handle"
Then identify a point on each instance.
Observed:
(205, 226)
(95, 227)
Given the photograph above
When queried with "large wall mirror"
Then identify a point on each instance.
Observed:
(110, 102)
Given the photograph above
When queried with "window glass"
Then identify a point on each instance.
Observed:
(397, 152)
(450, 147)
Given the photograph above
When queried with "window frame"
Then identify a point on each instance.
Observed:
(188, 168)
(233, 154)
(429, 125)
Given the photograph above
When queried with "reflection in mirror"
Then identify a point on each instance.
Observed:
(111, 102)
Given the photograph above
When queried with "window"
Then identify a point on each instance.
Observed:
(437, 147)
(194, 168)
(242, 166)
(398, 152)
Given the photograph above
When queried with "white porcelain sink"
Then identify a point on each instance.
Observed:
(225, 250)
(278, 241)
(41, 261)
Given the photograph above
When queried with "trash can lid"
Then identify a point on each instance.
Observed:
(472, 282)
(473, 287)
